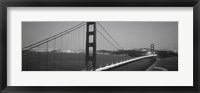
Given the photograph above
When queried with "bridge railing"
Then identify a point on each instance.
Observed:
(124, 62)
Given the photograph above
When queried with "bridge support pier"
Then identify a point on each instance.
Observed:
(152, 48)
(90, 57)
(153, 52)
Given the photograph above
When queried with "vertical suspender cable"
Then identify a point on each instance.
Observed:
(47, 55)
(37, 59)
(54, 54)
(65, 50)
(83, 61)
(26, 59)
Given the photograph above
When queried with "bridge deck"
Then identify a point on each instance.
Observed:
(124, 62)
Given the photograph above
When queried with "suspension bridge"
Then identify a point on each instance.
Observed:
(87, 46)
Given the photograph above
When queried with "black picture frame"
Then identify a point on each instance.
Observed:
(98, 3)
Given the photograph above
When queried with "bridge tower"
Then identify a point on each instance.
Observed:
(152, 48)
(90, 57)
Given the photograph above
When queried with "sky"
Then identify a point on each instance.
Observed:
(130, 35)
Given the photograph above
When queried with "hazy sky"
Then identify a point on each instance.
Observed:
(129, 35)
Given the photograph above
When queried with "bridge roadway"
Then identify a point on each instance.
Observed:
(127, 65)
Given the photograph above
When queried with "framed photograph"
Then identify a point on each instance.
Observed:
(99, 46)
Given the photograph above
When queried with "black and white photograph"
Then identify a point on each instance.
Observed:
(100, 46)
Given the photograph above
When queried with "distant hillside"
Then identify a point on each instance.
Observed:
(142, 51)
(164, 53)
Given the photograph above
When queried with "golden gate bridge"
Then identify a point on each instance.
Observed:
(87, 46)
